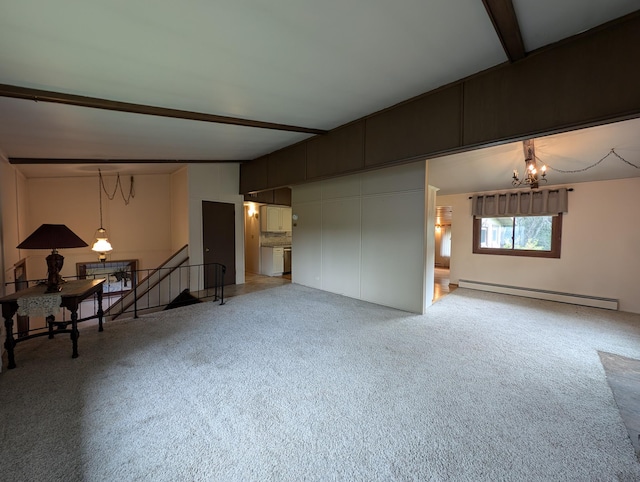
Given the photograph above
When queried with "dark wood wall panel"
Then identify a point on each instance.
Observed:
(253, 175)
(339, 152)
(265, 197)
(280, 196)
(287, 166)
(589, 80)
(426, 125)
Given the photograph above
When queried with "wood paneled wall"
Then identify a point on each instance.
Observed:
(587, 80)
(281, 196)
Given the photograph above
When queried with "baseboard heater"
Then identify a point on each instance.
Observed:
(594, 301)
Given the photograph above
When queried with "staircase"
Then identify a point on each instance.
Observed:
(175, 279)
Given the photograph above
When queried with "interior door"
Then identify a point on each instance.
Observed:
(219, 240)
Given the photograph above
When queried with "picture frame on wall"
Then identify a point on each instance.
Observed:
(120, 276)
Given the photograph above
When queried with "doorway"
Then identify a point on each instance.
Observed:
(218, 240)
(443, 222)
(251, 238)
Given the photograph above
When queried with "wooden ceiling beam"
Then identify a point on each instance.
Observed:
(505, 22)
(39, 160)
(97, 103)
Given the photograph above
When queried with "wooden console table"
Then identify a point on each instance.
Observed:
(71, 295)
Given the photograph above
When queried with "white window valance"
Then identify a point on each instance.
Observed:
(544, 202)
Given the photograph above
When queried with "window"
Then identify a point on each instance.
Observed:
(445, 241)
(536, 236)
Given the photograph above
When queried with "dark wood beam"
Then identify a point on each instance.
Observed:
(46, 160)
(97, 103)
(503, 17)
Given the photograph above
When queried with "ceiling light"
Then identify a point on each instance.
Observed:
(531, 176)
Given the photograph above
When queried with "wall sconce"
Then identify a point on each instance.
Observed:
(252, 212)
(437, 227)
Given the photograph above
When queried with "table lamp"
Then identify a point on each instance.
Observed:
(53, 237)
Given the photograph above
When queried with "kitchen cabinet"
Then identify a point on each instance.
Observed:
(275, 219)
(272, 260)
(286, 219)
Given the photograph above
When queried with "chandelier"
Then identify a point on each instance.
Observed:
(531, 176)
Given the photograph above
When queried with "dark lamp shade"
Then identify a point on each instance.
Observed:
(52, 236)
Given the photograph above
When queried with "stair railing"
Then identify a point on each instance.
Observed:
(151, 290)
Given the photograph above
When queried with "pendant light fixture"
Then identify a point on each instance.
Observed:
(101, 245)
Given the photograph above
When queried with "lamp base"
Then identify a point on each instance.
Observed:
(55, 262)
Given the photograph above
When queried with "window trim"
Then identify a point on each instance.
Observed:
(556, 241)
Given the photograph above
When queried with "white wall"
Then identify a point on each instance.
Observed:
(217, 183)
(14, 205)
(179, 209)
(165, 214)
(140, 230)
(13, 202)
(600, 247)
(430, 242)
(363, 236)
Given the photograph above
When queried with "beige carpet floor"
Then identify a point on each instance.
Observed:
(297, 384)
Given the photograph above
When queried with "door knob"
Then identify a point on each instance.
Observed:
(206, 250)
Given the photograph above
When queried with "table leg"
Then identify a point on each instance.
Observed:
(50, 320)
(10, 343)
(100, 312)
(74, 333)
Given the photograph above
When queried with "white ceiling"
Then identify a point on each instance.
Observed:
(299, 62)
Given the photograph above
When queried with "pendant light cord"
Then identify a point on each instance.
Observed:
(100, 194)
(126, 198)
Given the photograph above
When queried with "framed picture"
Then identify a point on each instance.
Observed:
(120, 276)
